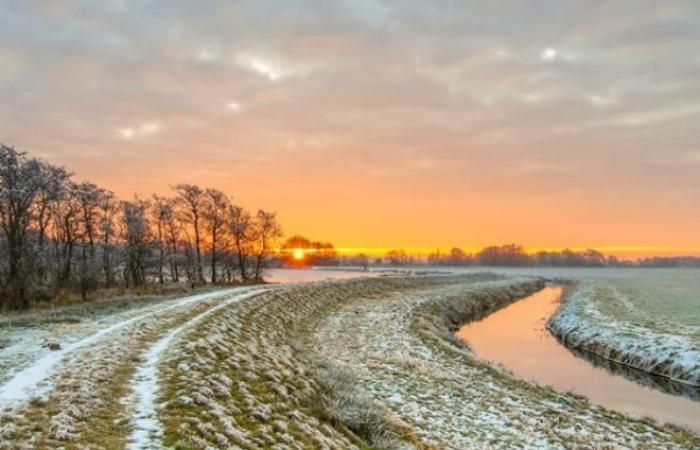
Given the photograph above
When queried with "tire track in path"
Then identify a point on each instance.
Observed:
(31, 381)
(147, 430)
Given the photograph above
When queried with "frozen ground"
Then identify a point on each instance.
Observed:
(451, 400)
(362, 363)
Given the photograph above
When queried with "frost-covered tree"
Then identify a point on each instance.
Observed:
(108, 210)
(161, 211)
(137, 240)
(242, 230)
(267, 230)
(20, 185)
(190, 200)
(61, 238)
(89, 199)
(214, 210)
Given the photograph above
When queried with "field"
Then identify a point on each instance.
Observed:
(659, 300)
(361, 363)
(647, 320)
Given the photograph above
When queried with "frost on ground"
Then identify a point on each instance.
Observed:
(400, 351)
(147, 432)
(371, 363)
(362, 363)
(626, 324)
(28, 381)
(74, 399)
(244, 380)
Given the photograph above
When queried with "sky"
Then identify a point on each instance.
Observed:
(376, 124)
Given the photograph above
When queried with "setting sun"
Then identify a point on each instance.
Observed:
(298, 254)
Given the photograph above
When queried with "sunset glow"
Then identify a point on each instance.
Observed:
(364, 126)
(298, 254)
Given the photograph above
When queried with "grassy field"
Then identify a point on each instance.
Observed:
(647, 319)
(661, 300)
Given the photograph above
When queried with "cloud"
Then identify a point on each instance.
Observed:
(274, 69)
(485, 97)
(234, 107)
(548, 54)
(143, 130)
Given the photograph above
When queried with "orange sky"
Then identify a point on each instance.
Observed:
(373, 126)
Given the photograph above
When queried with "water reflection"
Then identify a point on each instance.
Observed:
(638, 376)
(516, 337)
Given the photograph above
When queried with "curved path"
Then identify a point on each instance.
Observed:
(28, 382)
(147, 430)
(73, 394)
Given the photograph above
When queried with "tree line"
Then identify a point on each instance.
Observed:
(58, 235)
(514, 255)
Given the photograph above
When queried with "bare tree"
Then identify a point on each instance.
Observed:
(66, 230)
(214, 210)
(240, 226)
(191, 198)
(89, 198)
(20, 184)
(53, 187)
(161, 210)
(173, 230)
(136, 239)
(108, 210)
(267, 230)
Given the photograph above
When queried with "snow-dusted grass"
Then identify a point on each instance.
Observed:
(147, 430)
(244, 380)
(75, 400)
(369, 364)
(28, 381)
(363, 363)
(24, 337)
(399, 351)
(649, 323)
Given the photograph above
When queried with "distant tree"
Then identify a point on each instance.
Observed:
(397, 257)
(363, 261)
(504, 255)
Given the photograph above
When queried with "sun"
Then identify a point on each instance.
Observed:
(298, 254)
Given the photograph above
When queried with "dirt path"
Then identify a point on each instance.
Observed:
(28, 382)
(72, 397)
(147, 430)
